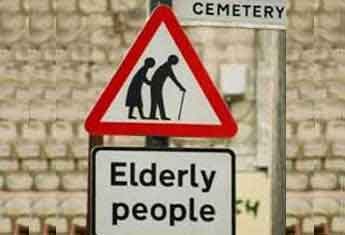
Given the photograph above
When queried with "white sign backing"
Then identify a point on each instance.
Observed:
(196, 107)
(163, 191)
(237, 13)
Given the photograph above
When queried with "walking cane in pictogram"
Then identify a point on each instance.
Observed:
(181, 105)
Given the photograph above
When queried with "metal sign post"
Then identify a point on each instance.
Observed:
(93, 142)
(156, 141)
(154, 3)
(271, 118)
(279, 154)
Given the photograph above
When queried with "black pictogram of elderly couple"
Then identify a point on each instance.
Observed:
(134, 96)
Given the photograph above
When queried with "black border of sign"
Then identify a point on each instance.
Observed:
(141, 149)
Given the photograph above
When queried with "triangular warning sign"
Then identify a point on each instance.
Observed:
(161, 89)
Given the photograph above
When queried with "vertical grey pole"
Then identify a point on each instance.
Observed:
(155, 141)
(154, 3)
(279, 157)
(93, 142)
(271, 65)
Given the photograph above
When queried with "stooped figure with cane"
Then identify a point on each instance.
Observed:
(157, 82)
(134, 97)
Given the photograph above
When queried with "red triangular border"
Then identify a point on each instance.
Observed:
(162, 14)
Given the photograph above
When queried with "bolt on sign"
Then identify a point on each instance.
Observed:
(238, 13)
(163, 191)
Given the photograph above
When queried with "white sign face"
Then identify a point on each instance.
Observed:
(192, 108)
(237, 13)
(171, 192)
(161, 88)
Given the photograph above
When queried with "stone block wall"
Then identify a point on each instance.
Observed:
(315, 114)
(57, 55)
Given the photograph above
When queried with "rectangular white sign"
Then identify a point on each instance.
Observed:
(171, 192)
(237, 13)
